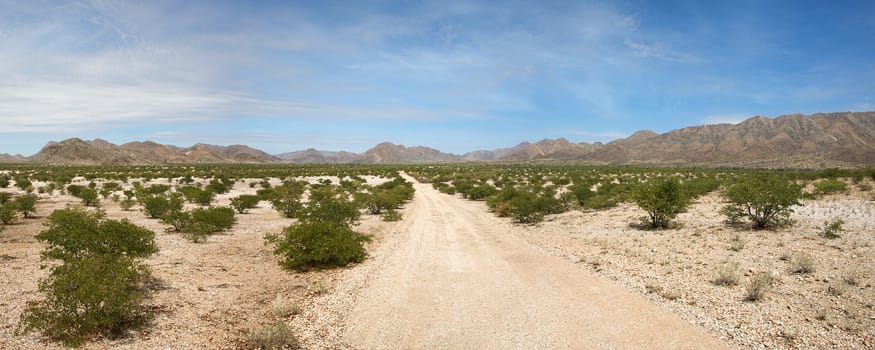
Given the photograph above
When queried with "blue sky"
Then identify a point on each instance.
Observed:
(454, 75)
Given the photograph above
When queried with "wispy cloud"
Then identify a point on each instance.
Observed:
(598, 135)
(734, 118)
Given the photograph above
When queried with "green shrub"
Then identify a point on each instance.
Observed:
(97, 291)
(319, 244)
(244, 202)
(26, 205)
(765, 201)
(830, 186)
(4, 181)
(328, 205)
(663, 200)
(75, 190)
(219, 218)
(74, 232)
(97, 295)
(5, 197)
(89, 197)
(286, 199)
(127, 203)
(8, 213)
(178, 219)
(156, 205)
(524, 208)
(23, 184)
(204, 197)
(391, 215)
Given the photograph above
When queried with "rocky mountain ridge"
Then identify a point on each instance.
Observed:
(791, 140)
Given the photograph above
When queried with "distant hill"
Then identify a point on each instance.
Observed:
(9, 158)
(787, 141)
(77, 151)
(313, 156)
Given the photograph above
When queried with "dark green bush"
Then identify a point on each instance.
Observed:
(663, 200)
(156, 205)
(286, 198)
(764, 200)
(328, 205)
(5, 197)
(204, 197)
(97, 291)
(244, 202)
(73, 232)
(8, 212)
(830, 186)
(178, 219)
(319, 244)
(97, 295)
(127, 203)
(26, 205)
(75, 190)
(219, 218)
(89, 197)
(23, 183)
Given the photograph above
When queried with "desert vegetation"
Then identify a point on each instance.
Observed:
(700, 240)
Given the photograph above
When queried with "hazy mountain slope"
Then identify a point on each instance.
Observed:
(77, 151)
(313, 156)
(789, 140)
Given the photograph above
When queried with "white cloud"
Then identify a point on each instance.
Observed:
(725, 119)
(599, 135)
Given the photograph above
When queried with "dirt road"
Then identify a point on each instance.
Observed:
(455, 281)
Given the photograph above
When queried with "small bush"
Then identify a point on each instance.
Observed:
(737, 243)
(127, 203)
(391, 215)
(244, 202)
(832, 228)
(23, 184)
(8, 213)
(156, 205)
(89, 197)
(758, 285)
(328, 205)
(852, 277)
(319, 244)
(275, 337)
(74, 232)
(97, 291)
(727, 274)
(286, 199)
(766, 201)
(26, 205)
(97, 295)
(5, 197)
(219, 218)
(802, 263)
(663, 200)
(830, 186)
(178, 219)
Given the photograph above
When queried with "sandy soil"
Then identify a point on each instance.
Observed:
(451, 275)
(454, 279)
(676, 269)
(207, 295)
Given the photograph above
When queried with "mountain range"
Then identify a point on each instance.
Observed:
(796, 140)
